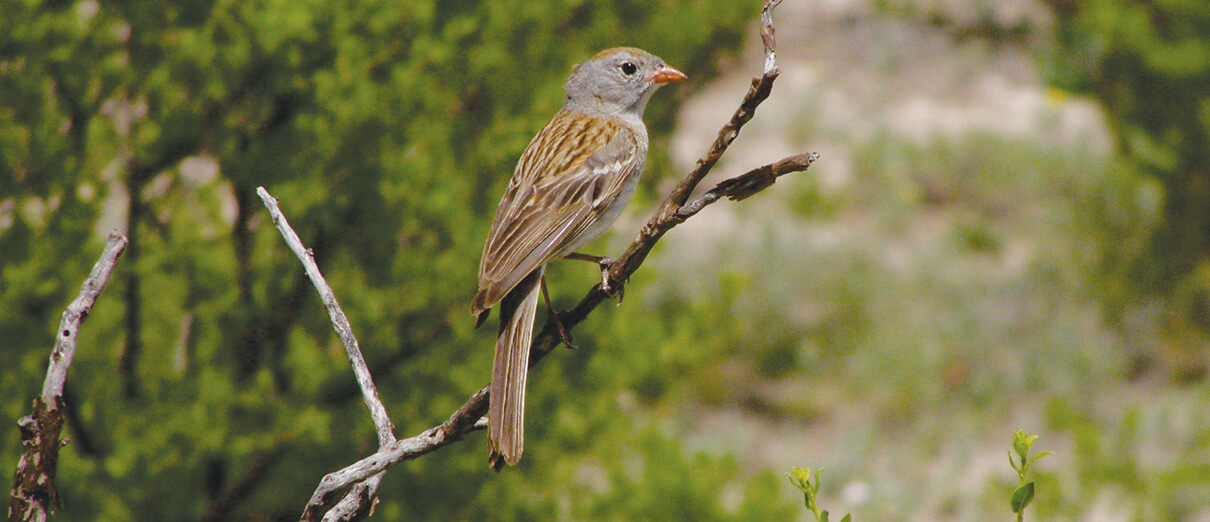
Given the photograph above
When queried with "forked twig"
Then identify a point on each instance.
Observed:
(357, 500)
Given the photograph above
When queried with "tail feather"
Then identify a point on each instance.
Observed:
(506, 413)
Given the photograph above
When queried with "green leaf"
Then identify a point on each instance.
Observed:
(1031, 460)
(1022, 442)
(1022, 496)
(800, 478)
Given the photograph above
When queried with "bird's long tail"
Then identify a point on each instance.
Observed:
(506, 414)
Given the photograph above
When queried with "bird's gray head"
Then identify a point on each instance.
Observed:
(617, 82)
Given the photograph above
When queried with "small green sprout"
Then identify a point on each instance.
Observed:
(802, 479)
(1024, 494)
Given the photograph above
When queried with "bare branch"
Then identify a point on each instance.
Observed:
(766, 35)
(359, 499)
(34, 493)
(462, 422)
(748, 183)
(382, 422)
(358, 503)
(76, 312)
(673, 210)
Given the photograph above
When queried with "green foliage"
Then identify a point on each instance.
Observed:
(209, 380)
(1024, 493)
(1148, 64)
(1151, 457)
(809, 486)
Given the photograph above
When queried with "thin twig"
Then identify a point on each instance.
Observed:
(76, 312)
(358, 503)
(747, 184)
(340, 323)
(358, 500)
(674, 209)
(34, 493)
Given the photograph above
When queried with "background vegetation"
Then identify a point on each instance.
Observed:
(893, 316)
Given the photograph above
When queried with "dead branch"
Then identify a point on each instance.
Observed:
(357, 501)
(35, 495)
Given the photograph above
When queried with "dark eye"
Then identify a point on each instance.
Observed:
(629, 68)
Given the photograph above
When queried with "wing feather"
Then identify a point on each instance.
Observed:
(571, 170)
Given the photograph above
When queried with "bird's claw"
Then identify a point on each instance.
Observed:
(564, 335)
(606, 264)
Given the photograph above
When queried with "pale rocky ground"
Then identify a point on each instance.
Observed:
(849, 73)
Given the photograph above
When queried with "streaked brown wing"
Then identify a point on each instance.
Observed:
(607, 171)
(550, 199)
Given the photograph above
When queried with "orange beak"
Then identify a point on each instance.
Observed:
(666, 74)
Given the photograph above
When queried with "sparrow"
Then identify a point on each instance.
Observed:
(570, 185)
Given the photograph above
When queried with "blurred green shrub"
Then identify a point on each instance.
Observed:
(209, 382)
(1148, 64)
